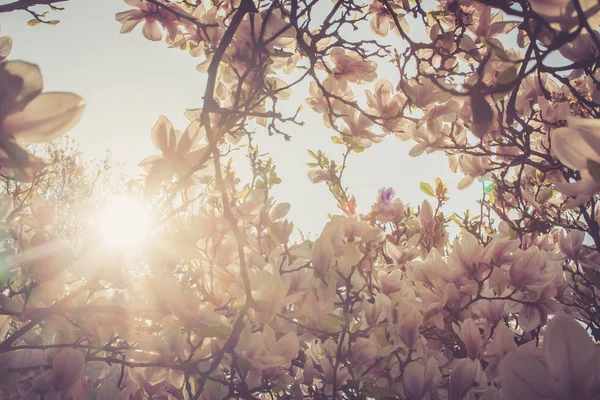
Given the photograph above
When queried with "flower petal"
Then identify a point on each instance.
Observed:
(568, 350)
(46, 117)
(524, 376)
(20, 82)
(5, 46)
(151, 31)
(162, 133)
(571, 148)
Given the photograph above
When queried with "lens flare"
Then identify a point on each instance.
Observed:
(124, 222)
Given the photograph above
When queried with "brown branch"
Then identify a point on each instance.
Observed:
(25, 4)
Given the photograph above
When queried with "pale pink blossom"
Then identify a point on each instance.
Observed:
(574, 145)
(568, 370)
(153, 15)
(350, 67)
(420, 377)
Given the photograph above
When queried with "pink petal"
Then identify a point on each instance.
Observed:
(162, 131)
(568, 350)
(571, 149)
(524, 376)
(462, 377)
(322, 254)
(25, 84)
(5, 46)
(586, 186)
(414, 380)
(151, 31)
(46, 117)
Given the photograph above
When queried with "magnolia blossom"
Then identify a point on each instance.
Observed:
(350, 67)
(28, 115)
(567, 370)
(152, 15)
(382, 20)
(472, 167)
(563, 15)
(421, 377)
(264, 351)
(180, 151)
(578, 147)
(386, 105)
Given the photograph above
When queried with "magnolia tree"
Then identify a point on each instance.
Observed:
(223, 300)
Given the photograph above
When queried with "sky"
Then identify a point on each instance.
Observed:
(129, 81)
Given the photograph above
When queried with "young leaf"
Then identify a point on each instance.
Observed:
(427, 189)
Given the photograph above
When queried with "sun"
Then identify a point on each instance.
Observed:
(123, 222)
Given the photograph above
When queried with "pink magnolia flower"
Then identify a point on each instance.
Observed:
(382, 103)
(468, 333)
(382, 21)
(429, 137)
(350, 67)
(424, 94)
(529, 270)
(180, 151)
(465, 373)
(567, 370)
(322, 254)
(472, 167)
(196, 37)
(487, 25)
(153, 15)
(571, 244)
(270, 293)
(419, 377)
(574, 145)
(358, 128)
(563, 15)
(502, 344)
(28, 115)
(264, 351)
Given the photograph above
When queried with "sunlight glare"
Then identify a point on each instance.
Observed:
(123, 222)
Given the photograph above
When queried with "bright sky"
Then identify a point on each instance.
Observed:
(129, 81)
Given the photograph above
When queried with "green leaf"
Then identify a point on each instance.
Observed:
(312, 154)
(487, 185)
(284, 54)
(337, 140)
(33, 22)
(594, 169)
(437, 14)
(427, 189)
(54, 22)
(358, 149)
